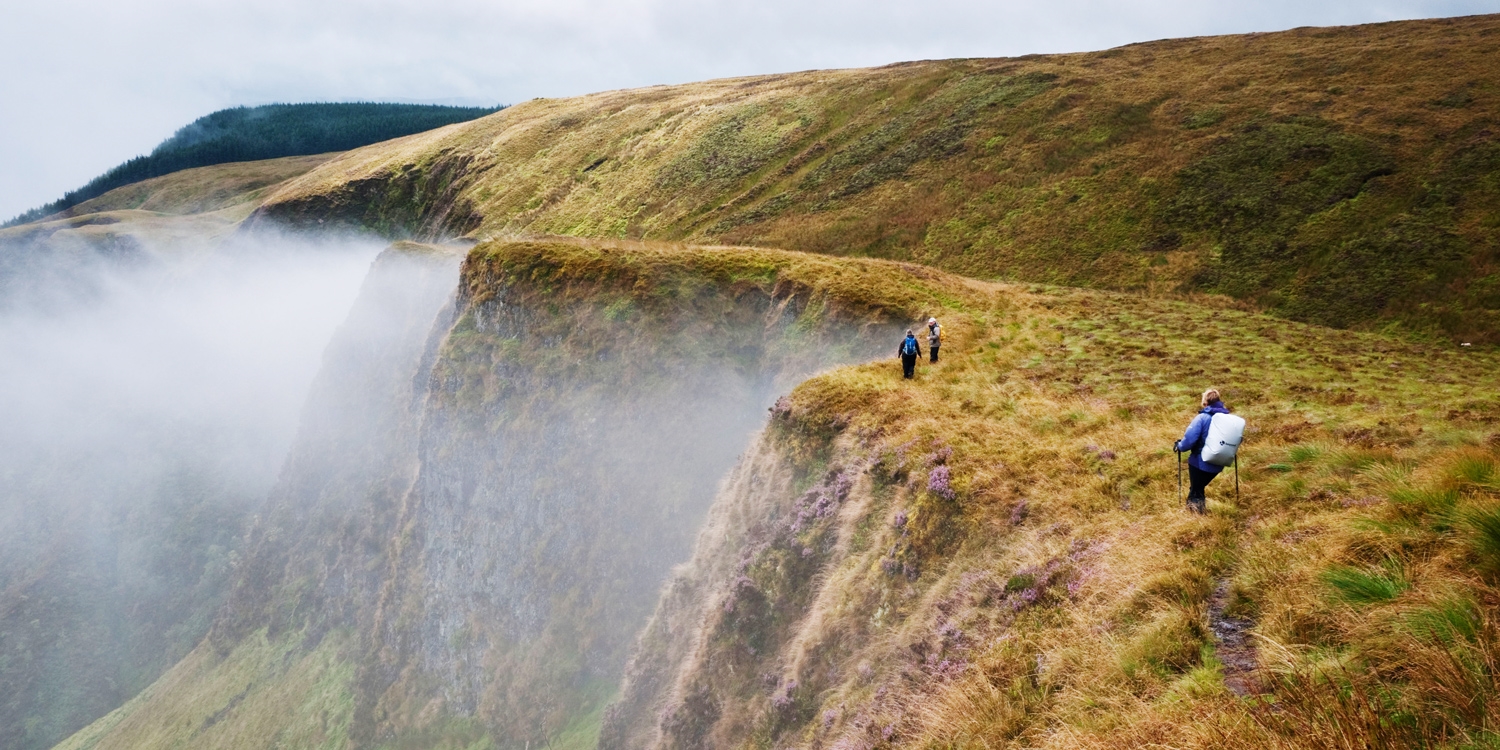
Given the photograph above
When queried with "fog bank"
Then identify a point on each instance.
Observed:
(146, 405)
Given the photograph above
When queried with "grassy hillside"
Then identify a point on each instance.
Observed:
(202, 189)
(190, 210)
(993, 554)
(480, 511)
(996, 554)
(1339, 176)
(272, 131)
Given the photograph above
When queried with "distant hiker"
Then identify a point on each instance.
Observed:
(908, 352)
(1204, 465)
(934, 337)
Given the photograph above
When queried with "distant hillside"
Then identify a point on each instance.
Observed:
(1342, 176)
(267, 132)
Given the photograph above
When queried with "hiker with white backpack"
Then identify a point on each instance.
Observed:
(1212, 440)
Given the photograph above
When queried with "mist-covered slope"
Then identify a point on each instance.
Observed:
(182, 216)
(147, 399)
(476, 527)
(472, 541)
(1339, 176)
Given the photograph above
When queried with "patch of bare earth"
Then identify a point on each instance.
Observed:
(1233, 645)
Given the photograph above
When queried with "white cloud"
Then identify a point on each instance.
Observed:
(87, 85)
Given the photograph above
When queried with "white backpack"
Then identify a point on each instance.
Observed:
(1225, 433)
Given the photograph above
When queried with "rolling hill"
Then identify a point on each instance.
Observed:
(271, 131)
(1343, 177)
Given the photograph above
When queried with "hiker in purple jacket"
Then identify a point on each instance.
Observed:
(1200, 472)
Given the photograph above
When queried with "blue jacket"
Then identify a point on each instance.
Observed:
(1197, 435)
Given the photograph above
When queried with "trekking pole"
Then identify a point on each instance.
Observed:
(1179, 472)
(1236, 479)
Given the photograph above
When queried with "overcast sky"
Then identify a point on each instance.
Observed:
(87, 84)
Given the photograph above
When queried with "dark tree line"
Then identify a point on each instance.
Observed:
(266, 132)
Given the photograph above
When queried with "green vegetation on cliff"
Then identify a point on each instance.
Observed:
(992, 555)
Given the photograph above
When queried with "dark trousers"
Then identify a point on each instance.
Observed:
(909, 365)
(1198, 480)
(934, 353)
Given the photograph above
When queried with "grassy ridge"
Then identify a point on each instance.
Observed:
(202, 189)
(1006, 561)
(1338, 176)
(270, 131)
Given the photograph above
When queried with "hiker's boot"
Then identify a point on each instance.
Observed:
(1198, 504)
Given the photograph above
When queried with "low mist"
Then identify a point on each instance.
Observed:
(146, 406)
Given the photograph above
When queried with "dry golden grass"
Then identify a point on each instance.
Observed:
(1060, 598)
(183, 210)
(202, 190)
(1064, 404)
(1056, 168)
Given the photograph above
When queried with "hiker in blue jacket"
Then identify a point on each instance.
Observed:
(1200, 472)
(908, 352)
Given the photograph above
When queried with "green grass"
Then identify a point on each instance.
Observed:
(263, 693)
(1360, 586)
(1080, 585)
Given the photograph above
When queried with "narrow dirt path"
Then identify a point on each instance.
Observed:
(1233, 645)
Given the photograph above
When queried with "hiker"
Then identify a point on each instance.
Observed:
(934, 337)
(908, 352)
(1200, 472)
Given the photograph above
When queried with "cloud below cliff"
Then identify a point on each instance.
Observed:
(134, 366)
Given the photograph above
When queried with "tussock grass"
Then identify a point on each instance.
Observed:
(1060, 599)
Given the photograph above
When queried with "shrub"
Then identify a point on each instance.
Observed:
(938, 483)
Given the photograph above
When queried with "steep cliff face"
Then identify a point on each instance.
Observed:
(582, 409)
(317, 555)
(485, 496)
(329, 492)
(148, 398)
(492, 482)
